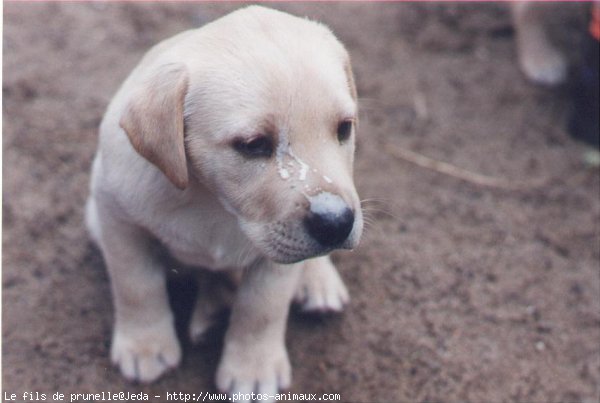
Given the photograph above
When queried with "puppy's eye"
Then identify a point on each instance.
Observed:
(344, 130)
(257, 147)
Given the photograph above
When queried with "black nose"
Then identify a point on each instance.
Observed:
(330, 229)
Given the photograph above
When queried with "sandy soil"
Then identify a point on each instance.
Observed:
(460, 292)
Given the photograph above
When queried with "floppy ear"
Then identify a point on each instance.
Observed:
(153, 121)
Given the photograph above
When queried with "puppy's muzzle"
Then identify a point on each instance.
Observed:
(330, 220)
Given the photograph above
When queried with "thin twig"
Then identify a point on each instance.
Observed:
(460, 173)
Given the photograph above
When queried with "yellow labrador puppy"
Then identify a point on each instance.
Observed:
(232, 145)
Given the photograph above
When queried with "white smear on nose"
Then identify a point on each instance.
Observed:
(282, 148)
(327, 203)
(303, 170)
(303, 165)
(327, 179)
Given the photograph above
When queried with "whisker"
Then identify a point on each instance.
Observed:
(369, 231)
(375, 200)
(378, 205)
(381, 211)
(371, 225)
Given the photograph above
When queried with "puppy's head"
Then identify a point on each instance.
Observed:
(260, 107)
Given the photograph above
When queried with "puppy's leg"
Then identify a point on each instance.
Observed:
(144, 343)
(540, 61)
(254, 357)
(321, 288)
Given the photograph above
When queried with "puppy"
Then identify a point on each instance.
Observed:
(232, 145)
(539, 59)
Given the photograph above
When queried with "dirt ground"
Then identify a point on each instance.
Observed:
(460, 292)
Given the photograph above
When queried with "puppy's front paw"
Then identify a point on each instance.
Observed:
(144, 354)
(260, 369)
(321, 288)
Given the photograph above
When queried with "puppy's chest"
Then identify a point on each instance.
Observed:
(204, 241)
